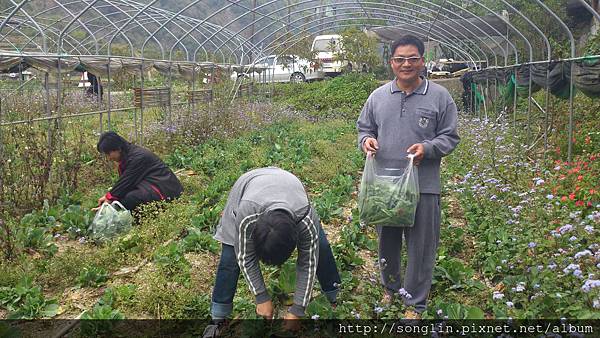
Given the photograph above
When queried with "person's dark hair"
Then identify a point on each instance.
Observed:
(110, 141)
(411, 40)
(275, 237)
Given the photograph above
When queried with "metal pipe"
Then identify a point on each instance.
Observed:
(590, 9)
(572, 41)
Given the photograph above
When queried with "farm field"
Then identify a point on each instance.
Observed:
(520, 233)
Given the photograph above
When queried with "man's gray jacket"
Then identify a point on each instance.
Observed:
(254, 193)
(397, 121)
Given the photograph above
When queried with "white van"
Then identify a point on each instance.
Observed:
(325, 47)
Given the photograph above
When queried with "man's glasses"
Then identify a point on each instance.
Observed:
(399, 60)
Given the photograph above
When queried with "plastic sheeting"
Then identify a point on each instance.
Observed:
(523, 77)
(586, 75)
(52, 64)
(7, 63)
(99, 65)
(135, 67)
(557, 82)
(164, 67)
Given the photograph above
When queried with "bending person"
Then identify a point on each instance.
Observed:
(266, 217)
(143, 177)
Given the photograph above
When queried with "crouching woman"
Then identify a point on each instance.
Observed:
(143, 177)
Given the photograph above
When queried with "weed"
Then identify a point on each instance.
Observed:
(26, 301)
(92, 277)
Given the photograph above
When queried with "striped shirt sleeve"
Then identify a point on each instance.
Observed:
(306, 265)
(246, 257)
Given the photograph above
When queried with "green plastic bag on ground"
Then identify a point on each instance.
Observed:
(111, 220)
(388, 196)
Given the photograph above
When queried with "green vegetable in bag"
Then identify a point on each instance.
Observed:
(388, 200)
(111, 220)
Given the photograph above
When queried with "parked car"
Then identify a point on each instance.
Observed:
(274, 68)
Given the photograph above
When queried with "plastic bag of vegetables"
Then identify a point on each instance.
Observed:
(112, 219)
(388, 196)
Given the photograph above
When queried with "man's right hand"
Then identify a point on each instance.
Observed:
(265, 309)
(370, 144)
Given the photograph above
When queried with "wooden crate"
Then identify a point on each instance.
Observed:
(200, 95)
(153, 97)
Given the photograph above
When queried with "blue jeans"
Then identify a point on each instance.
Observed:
(228, 273)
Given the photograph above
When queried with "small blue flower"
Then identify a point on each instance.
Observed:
(497, 295)
(590, 284)
(404, 293)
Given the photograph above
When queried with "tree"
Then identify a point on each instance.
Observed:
(358, 48)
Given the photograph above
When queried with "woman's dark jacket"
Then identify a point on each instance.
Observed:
(139, 168)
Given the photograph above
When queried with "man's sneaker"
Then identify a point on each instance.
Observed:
(213, 330)
(410, 314)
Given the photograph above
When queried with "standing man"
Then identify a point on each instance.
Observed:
(267, 216)
(410, 115)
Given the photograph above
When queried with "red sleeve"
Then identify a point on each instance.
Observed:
(110, 197)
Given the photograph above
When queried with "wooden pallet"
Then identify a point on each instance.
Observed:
(152, 97)
(200, 95)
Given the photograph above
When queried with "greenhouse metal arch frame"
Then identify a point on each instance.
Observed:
(60, 29)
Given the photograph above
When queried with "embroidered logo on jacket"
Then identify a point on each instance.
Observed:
(423, 122)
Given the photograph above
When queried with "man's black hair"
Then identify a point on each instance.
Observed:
(275, 237)
(409, 40)
(110, 141)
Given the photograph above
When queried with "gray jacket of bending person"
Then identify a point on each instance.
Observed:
(262, 190)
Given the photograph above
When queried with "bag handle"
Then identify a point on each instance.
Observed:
(117, 203)
(411, 158)
(409, 170)
(99, 212)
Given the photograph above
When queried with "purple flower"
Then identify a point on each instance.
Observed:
(510, 304)
(497, 295)
(583, 254)
(590, 284)
(565, 228)
(532, 245)
(595, 216)
(404, 293)
(570, 267)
